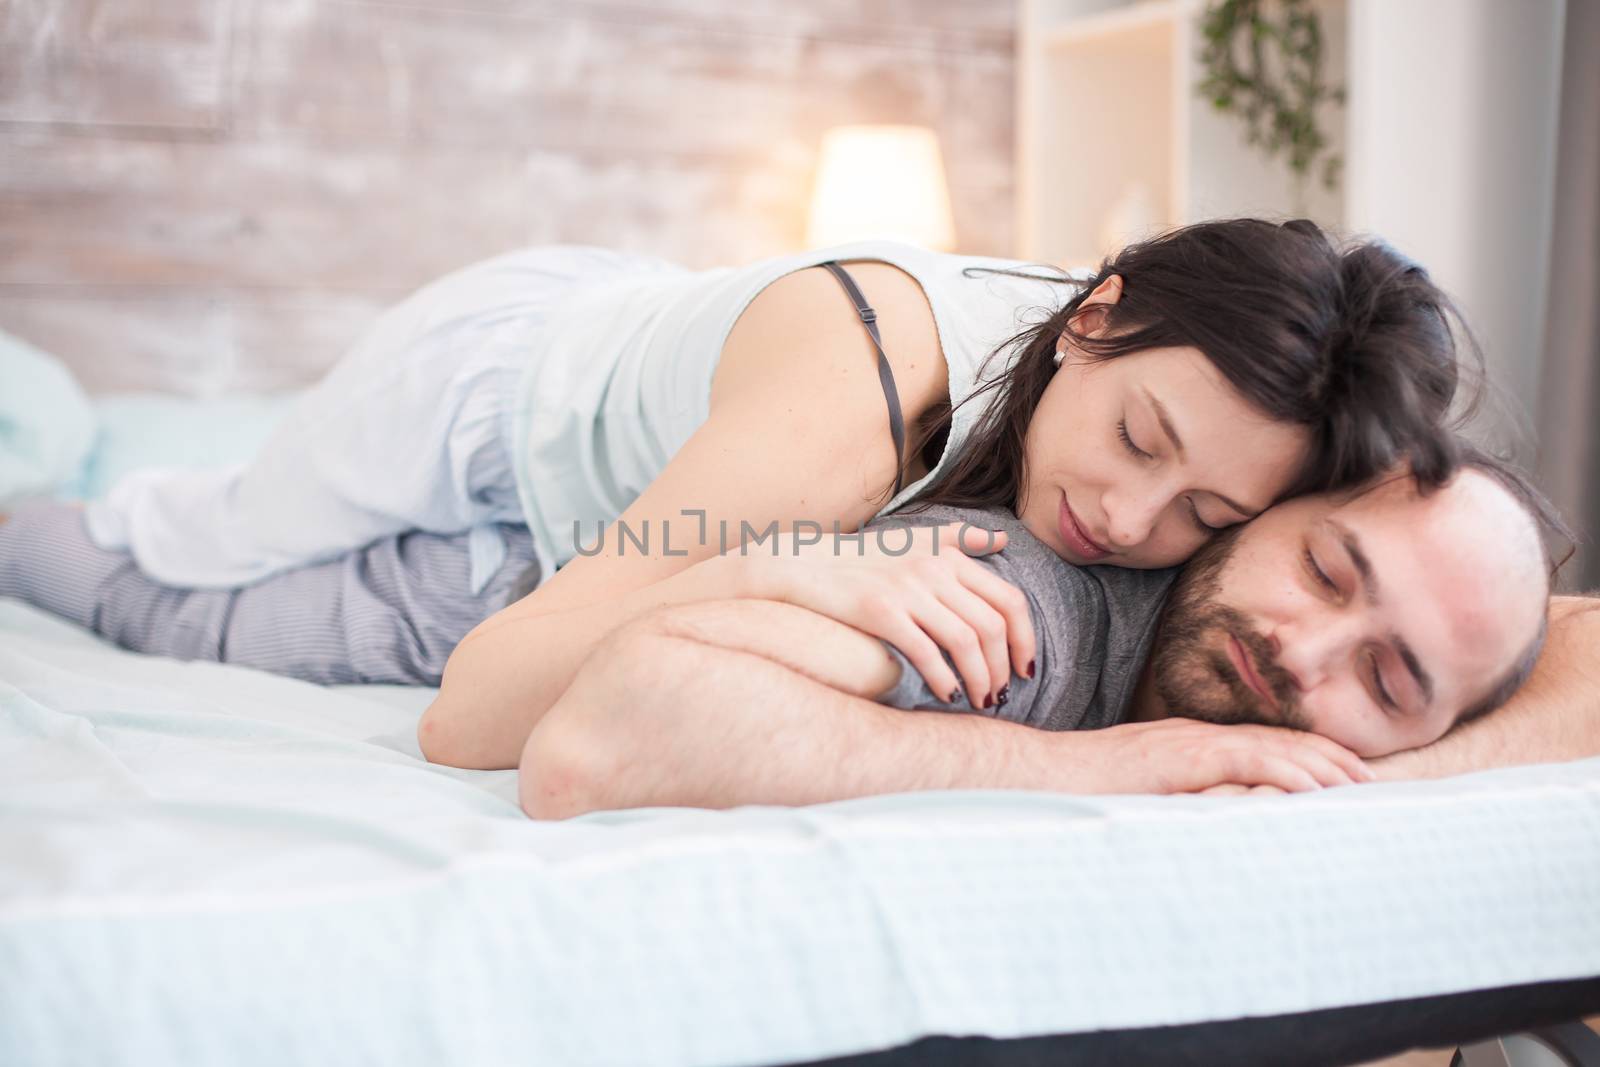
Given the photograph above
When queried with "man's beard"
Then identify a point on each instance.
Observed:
(1190, 668)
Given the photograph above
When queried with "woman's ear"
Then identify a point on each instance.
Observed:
(1090, 318)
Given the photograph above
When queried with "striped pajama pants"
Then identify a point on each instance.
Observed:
(391, 611)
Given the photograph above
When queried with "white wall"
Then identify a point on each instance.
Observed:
(1451, 156)
(1229, 176)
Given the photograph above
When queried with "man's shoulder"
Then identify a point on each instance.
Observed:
(944, 515)
(1025, 560)
(1025, 554)
(1124, 585)
(1093, 624)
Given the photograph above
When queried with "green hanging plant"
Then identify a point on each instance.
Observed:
(1268, 71)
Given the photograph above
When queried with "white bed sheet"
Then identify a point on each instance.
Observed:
(206, 864)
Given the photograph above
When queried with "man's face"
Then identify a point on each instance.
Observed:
(1373, 621)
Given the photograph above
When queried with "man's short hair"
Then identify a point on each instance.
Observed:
(1549, 527)
(1510, 682)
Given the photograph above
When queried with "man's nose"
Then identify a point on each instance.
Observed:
(1311, 649)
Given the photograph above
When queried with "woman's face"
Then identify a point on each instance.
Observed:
(1137, 460)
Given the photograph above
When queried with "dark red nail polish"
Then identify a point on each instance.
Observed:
(988, 700)
(1030, 668)
(955, 695)
(1004, 694)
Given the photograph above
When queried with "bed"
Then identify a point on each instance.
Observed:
(209, 864)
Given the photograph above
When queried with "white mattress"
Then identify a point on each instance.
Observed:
(204, 864)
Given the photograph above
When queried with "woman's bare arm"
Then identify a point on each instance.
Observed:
(514, 665)
(798, 432)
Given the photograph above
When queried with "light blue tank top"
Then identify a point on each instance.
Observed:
(623, 373)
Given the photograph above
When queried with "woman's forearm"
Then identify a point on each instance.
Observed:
(508, 671)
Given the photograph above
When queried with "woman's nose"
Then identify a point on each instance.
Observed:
(1130, 518)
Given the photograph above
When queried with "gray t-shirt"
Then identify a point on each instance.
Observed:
(1093, 627)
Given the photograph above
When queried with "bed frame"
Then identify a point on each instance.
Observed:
(1329, 1038)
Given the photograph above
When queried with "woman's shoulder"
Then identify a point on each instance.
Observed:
(789, 318)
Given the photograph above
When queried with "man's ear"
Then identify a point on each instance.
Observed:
(1090, 318)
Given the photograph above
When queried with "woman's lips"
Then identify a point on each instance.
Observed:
(1075, 538)
(1247, 671)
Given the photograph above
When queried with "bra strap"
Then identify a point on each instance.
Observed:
(869, 318)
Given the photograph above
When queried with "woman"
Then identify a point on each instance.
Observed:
(564, 386)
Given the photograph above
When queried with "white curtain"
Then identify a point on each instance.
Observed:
(1569, 401)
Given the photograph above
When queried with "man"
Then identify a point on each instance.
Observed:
(1331, 628)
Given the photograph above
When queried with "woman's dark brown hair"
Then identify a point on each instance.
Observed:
(1354, 344)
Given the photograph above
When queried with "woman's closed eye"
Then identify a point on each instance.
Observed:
(1127, 441)
(1194, 513)
(1139, 453)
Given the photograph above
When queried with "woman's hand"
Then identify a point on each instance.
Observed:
(932, 596)
(1188, 756)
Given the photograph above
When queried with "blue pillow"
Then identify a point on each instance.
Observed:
(156, 430)
(47, 425)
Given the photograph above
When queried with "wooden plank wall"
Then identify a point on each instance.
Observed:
(202, 196)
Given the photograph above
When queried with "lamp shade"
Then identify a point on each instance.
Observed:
(881, 182)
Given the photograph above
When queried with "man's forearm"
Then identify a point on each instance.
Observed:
(1554, 717)
(671, 720)
(757, 702)
(504, 674)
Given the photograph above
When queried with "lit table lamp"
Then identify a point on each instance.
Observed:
(881, 182)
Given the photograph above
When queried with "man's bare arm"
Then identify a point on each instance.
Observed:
(708, 727)
(756, 702)
(1554, 717)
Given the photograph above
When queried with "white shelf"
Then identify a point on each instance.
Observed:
(1112, 22)
(1113, 144)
